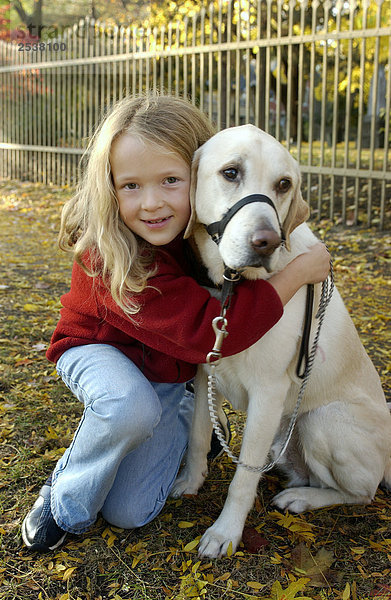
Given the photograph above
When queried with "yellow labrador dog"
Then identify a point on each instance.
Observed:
(341, 447)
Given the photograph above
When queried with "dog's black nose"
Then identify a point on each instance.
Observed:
(265, 241)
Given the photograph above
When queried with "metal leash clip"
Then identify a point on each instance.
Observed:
(219, 325)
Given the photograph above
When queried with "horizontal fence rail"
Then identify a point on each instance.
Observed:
(316, 75)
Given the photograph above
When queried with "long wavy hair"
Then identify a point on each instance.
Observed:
(90, 220)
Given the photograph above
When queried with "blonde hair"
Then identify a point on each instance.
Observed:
(91, 222)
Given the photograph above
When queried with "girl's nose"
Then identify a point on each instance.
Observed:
(151, 200)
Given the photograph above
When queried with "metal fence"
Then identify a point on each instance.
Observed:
(317, 75)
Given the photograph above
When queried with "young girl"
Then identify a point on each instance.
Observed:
(135, 324)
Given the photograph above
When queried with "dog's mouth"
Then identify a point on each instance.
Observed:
(258, 250)
(253, 260)
(256, 262)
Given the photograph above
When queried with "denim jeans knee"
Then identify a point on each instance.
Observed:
(126, 435)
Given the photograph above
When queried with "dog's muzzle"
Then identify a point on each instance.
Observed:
(264, 241)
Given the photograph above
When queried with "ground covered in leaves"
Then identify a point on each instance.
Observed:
(339, 552)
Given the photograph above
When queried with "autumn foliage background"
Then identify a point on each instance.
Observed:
(338, 552)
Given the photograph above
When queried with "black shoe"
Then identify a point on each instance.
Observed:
(40, 531)
(216, 448)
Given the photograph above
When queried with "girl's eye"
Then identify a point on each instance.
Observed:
(130, 186)
(231, 174)
(171, 179)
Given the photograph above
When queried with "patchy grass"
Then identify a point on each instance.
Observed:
(338, 552)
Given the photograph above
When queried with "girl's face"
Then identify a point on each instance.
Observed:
(152, 187)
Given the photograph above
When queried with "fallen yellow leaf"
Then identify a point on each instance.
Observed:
(185, 524)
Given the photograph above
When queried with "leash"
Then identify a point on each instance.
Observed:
(304, 346)
(219, 324)
(214, 357)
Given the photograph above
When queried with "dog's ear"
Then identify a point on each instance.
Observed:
(298, 213)
(193, 188)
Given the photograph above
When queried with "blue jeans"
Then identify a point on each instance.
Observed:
(129, 444)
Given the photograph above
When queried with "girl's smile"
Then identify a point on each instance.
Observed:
(152, 187)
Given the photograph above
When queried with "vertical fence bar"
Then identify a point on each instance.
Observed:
(12, 111)
(300, 94)
(121, 63)
(193, 59)
(375, 81)
(289, 107)
(127, 61)
(185, 62)
(148, 59)
(359, 139)
(177, 61)
(278, 71)
(45, 129)
(162, 59)
(11, 106)
(387, 134)
(228, 78)
(267, 73)
(134, 61)
(169, 59)
(140, 61)
(257, 97)
(13, 93)
(4, 113)
(210, 64)
(311, 93)
(247, 57)
(219, 66)
(352, 6)
(326, 10)
(76, 94)
(19, 116)
(237, 69)
(154, 67)
(202, 60)
(18, 104)
(3, 153)
(338, 9)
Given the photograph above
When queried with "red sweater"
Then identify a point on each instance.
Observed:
(173, 330)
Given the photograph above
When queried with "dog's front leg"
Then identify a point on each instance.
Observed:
(263, 420)
(195, 470)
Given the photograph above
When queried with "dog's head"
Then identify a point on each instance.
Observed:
(235, 163)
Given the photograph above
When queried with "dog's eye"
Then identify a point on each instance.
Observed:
(231, 174)
(284, 185)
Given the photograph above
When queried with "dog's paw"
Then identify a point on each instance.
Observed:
(187, 484)
(292, 499)
(215, 544)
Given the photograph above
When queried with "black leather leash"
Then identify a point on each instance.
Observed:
(305, 340)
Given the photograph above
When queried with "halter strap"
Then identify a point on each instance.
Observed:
(216, 229)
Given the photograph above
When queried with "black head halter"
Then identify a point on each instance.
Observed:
(216, 229)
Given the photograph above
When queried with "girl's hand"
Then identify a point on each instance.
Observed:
(311, 267)
(315, 263)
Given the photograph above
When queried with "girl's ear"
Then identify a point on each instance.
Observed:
(298, 213)
(193, 189)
